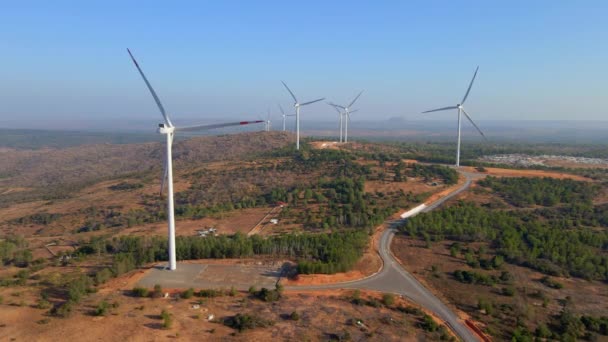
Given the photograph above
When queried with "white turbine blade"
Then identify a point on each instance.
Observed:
(470, 85)
(355, 99)
(471, 120)
(282, 111)
(207, 127)
(353, 111)
(440, 109)
(158, 103)
(310, 102)
(290, 92)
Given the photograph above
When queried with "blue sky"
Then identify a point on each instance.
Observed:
(66, 61)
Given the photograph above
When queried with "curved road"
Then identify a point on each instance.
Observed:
(395, 279)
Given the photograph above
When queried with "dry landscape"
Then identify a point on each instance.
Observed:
(78, 202)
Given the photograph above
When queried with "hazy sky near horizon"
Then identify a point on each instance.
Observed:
(66, 61)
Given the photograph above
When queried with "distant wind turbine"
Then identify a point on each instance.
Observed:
(284, 116)
(347, 112)
(340, 114)
(460, 111)
(267, 123)
(168, 129)
(297, 105)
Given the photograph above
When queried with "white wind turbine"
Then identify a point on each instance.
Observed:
(297, 105)
(460, 111)
(284, 116)
(168, 129)
(347, 111)
(339, 116)
(267, 123)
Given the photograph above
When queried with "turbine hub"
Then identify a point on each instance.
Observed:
(459, 106)
(164, 129)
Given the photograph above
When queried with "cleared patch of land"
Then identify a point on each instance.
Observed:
(499, 172)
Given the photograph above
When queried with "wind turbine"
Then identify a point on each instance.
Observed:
(168, 129)
(267, 122)
(460, 111)
(297, 105)
(347, 111)
(284, 116)
(339, 115)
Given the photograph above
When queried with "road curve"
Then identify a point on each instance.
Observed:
(394, 278)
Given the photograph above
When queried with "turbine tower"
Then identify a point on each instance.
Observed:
(461, 110)
(297, 105)
(267, 123)
(347, 111)
(168, 129)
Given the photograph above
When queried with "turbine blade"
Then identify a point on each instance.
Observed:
(335, 105)
(355, 99)
(471, 120)
(282, 111)
(220, 125)
(158, 103)
(309, 102)
(440, 109)
(290, 92)
(470, 85)
(352, 111)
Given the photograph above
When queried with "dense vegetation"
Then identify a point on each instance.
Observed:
(545, 191)
(316, 253)
(522, 238)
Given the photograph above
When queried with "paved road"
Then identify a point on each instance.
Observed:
(394, 279)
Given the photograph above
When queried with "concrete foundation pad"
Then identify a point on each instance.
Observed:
(209, 276)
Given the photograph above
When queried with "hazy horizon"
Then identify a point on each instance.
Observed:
(64, 63)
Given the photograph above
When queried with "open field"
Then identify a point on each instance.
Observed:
(138, 319)
(498, 172)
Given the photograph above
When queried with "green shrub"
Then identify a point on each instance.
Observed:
(103, 276)
(101, 309)
(140, 292)
(551, 283)
(508, 291)
(268, 295)
(63, 310)
(158, 291)
(242, 322)
(209, 293)
(188, 293)
(43, 304)
(388, 299)
(167, 319)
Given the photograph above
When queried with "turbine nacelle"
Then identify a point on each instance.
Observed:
(164, 129)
